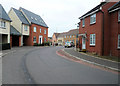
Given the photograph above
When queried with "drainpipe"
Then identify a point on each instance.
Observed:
(102, 34)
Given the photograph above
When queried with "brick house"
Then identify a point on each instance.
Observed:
(95, 32)
(19, 28)
(114, 12)
(4, 26)
(71, 36)
(38, 32)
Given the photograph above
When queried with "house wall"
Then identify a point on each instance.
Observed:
(60, 40)
(15, 20)
(97, 29)
(26, 32)
(107, 27)
(37, 34)
(114, 31)
(6, 30)
(70, 39)
(92, 29)
(54, 39)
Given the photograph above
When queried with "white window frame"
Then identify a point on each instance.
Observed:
(44, 31)
(83, 23)
(119, 15)
(26, 28)
(93, 19)
(119, 41)
(34, 29)
(40, 30)
(2, 24)
(34, 39)
(92, 39)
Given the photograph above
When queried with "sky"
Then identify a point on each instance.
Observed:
(59, 15)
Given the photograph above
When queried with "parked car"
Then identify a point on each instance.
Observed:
(69, 44)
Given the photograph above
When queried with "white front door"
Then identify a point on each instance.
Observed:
(83, 43)
(40, 39)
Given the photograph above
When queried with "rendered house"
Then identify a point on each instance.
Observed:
(60, 39)
(4, 26)
(38, 32)
(19, 28)
(96, 30)
(54, 38)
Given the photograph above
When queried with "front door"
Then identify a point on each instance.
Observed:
(83, 43)
(40, 39)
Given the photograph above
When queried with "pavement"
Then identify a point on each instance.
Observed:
(93, 60)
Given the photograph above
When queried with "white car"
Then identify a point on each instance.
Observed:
(68, 44)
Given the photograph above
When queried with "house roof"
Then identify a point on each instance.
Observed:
(34, 18)
(116, 5)
(72, 32)
(56, 34)
(94, 9)
(14, 31)
(3, 14)
(21, 16)
(62, 34)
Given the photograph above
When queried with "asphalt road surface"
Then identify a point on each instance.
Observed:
(44, 66)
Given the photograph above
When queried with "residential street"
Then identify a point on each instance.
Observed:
(41, 65)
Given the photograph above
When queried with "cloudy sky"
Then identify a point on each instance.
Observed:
(59, 15)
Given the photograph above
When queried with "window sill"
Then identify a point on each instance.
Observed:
(93, 23)
(3, 27)
(118, 48)
(92, 45)
(83, 26)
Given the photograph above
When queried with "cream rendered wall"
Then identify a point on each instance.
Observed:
(15, 20)
(6, 30)
(60, 38)
(25, 32)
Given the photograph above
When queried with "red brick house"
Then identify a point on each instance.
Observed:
(95, 30)
(38, 28)
(114, 12)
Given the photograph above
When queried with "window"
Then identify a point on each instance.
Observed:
(65, 36)
(93, 19)
(44, 39)
(83, 23)
(70, 36)
(34, 39)
(119, 41)
(2, 24)
(119, 15)
(40, 30)
(44, 31)
(73, 41)
(92, 39)
(25, 27)
(34, 29)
